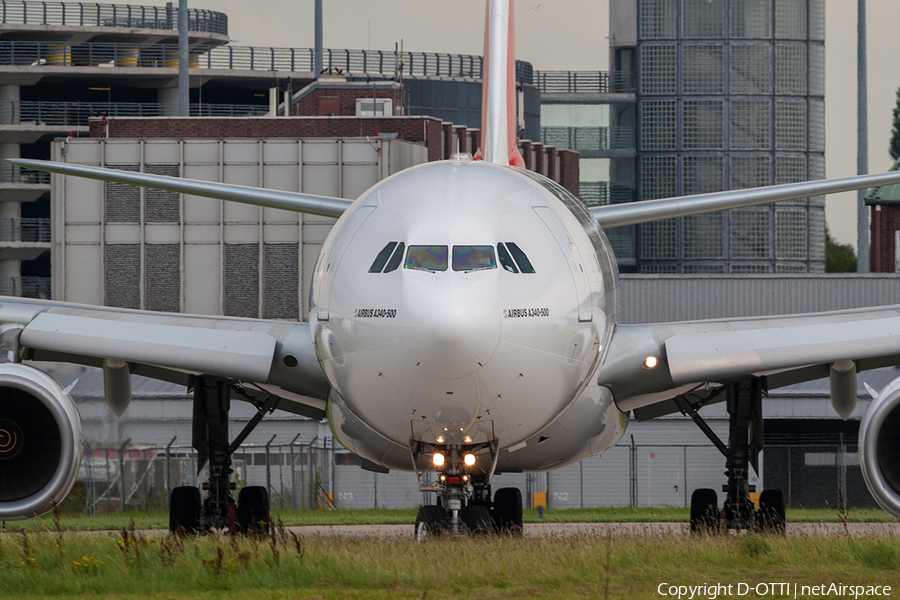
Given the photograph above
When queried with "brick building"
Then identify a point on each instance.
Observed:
(441, 139)
(884, 227)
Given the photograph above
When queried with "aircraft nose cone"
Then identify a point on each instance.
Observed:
(450, 331)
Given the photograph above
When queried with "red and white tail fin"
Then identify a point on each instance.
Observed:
(498, 88)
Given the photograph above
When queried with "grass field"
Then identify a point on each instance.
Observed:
(129, 565)
(160, 519)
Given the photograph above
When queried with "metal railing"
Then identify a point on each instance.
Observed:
(10, 173)
(25, 287)
(67, 114)
(589, 138)
(90, 14)
(29, 229)
(237, 57)
(584, 82)
(254, 58)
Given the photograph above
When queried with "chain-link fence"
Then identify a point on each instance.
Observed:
(814, 476)
(314, 475)
(141, 477)
(809, 475)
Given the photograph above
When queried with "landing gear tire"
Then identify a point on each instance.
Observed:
(253, 510)
(477, 519)
(507, 513)
(431, 521)
(771, 515)
(705, 516)
(184, 510)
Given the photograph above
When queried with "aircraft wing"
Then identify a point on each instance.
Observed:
(325, 206)
(695, 357)
(266, 357)
(629, 213)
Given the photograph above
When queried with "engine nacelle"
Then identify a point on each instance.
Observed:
(879, 447)
(40, 442)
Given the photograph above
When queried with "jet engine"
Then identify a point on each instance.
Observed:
(40, 442)
(879, 447)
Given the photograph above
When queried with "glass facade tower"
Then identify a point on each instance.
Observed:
(730, 95)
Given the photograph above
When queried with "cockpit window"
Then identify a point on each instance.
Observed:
(396, 259)
(506, 260)
(382, 258)
(427, 258)
(521, 259)
(473, 258)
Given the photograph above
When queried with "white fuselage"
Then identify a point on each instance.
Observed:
(436, 344)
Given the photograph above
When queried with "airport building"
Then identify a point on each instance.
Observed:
(884, 223)
(729, 95)
(595, 113)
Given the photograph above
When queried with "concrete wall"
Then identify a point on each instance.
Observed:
(124, 246)
(661, 298)
(622, 23)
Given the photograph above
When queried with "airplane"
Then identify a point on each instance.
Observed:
(462, 322)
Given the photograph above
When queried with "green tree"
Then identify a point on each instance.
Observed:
(839, 258)
(895, 131)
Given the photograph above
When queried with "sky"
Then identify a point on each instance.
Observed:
(571, 35)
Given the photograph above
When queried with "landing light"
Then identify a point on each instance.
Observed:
(650, 362)
(438, 459)
(469, 459)
(440, 439)
(468, 439)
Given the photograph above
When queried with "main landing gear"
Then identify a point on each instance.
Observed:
(464, 493)
(477, 517)
(187, 513)
(745, 441)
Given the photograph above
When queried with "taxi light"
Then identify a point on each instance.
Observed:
(443, 478)
(468, 439)
(469, 459)
(650, 362)
(440, 439)
(465, 477)
(438, 459)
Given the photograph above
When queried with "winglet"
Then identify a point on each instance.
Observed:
(498, 88)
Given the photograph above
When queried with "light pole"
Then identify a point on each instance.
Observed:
(862, 142)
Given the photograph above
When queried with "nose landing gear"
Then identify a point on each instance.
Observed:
(463, 489)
